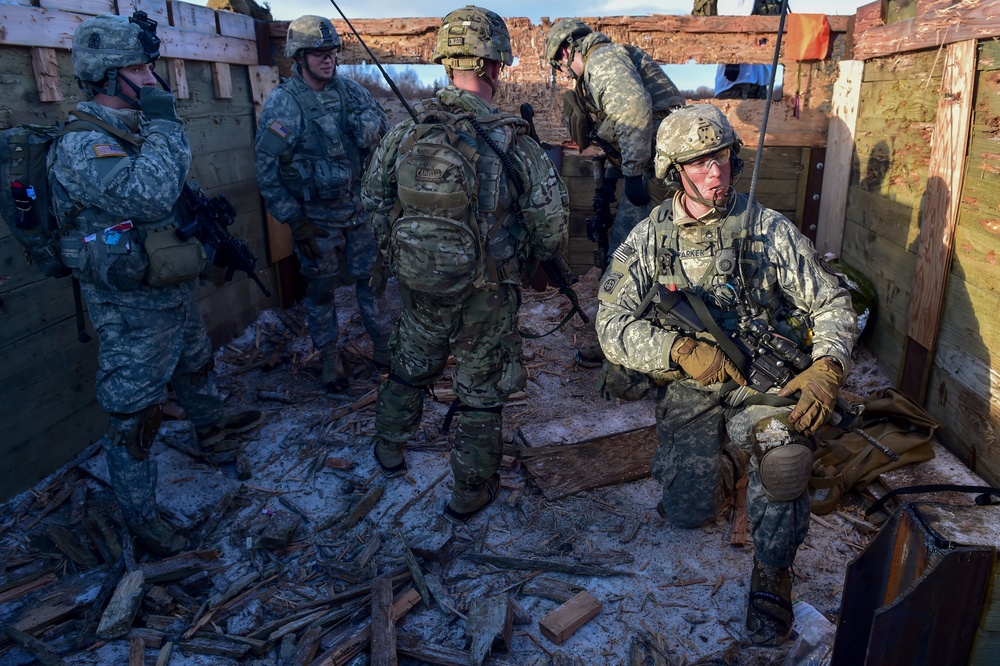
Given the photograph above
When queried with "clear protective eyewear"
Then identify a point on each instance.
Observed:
(325, 54)
(704, 164)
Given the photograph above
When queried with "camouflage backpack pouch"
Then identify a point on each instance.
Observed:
(435, 241)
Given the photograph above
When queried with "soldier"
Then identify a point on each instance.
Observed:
(734, 81)
(620, 96)
(314, 136)
(747, 266)
(116, 185)
(462, 202)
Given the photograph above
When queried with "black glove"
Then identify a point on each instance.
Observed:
(635, 190)
(731, 72)
(304, 234)
(158, 103)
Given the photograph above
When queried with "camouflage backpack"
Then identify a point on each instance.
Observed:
(435, 243)
(24, 197)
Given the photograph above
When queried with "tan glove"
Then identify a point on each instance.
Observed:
(706, 363)
(817, 386)
(304, 234)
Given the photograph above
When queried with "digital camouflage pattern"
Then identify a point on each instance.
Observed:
(692, 132)
(147, 337)
(470, 33)
(105, 43)
(784, 276)
(310, 33)
(312, 169)
(479, 329)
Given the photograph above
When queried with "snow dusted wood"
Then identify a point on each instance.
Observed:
(177, 567)
(42, 652)
(383, 627)
(136, 652)
(124, 604)
(563, 622)
(278, 531)
(490, 626)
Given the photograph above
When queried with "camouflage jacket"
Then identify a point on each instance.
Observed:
(783, 273)
(112, 182)
(627, 107)
(544, 203)
(311, 149)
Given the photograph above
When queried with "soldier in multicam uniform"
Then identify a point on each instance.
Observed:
(127, 169)
(620, 97)
(523, 203)
(314, 136)
(706, 243)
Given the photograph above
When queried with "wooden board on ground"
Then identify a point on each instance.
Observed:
(563, 470)
(561, 623)
(944, 468)
(572, 429)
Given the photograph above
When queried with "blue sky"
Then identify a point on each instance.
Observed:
(686, 77)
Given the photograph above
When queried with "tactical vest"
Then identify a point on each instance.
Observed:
(662, 93)
(326, 161)
(456, 223)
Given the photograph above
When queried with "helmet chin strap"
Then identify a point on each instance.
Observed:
(114, 90)
(710, 203)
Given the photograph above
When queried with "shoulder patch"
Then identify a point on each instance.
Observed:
(279, 129)
(610, 281)
(108, 150)
(623, 252)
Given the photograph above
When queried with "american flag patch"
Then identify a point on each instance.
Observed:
(108, 150)
(623, 252)
(279, 129)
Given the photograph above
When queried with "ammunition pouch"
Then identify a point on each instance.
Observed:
(111, 260)
(172, 260)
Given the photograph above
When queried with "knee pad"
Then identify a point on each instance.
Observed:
(784, 459)
(137, 431)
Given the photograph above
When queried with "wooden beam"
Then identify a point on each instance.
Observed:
(839, 156)
(936, 241)
(383, 627)
(178, 78)
(194, 17)
(563, 622)
(969, 20)
(124, 604)
(46, 68)
(222, 80)
(93, 7)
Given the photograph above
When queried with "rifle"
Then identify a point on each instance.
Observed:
(600, 224)
(210, 218)
(766, 358)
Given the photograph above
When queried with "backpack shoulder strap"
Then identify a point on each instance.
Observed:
(86, 121)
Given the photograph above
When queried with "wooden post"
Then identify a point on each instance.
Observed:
(839, 154)
(43, 61)
(937, 234)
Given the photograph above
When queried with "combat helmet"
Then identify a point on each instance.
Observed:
(468, 37)
(104, 44)
(692, 132)
(310, 32)
(568, 31)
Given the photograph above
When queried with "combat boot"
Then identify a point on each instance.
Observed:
(158, 538)
(464, 504)
(334, 374)
(226, 426)
(389, 456)
(769, 611)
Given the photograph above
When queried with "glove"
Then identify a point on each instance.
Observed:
(731, 72)
(817, 386)
(158, 103)
(706, 363)
(635, 190)
(304, 233)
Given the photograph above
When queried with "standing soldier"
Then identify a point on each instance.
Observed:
(740, 267)
(116, 184)
(462, 201)
(314, 136)
(619, 98)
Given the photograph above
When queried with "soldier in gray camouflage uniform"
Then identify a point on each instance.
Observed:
(520, 200)
(314, 136)
(126, 166)
(706, 244)
(620, 97)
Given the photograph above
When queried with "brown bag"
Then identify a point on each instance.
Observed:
(844, 461)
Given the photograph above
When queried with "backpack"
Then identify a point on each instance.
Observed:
(435, 241)
(24, 194)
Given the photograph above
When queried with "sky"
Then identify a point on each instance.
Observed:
(685, 77)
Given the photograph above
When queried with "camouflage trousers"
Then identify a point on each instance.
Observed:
(141, 348)
(348, 256)
(688, 462)
(481, 332)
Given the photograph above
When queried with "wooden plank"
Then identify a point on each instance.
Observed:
(194, 17)
(122, 608)
(839, 156)
(563, 470)
(42, 652)
(563, 622)
(91, 7)
(383, 627)
(136, 652)
(222, 80)
(178, 78)
(969, 20)
(490, 625)
(155, 9)
(232, 24)
(46, 68)
(934, 252)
